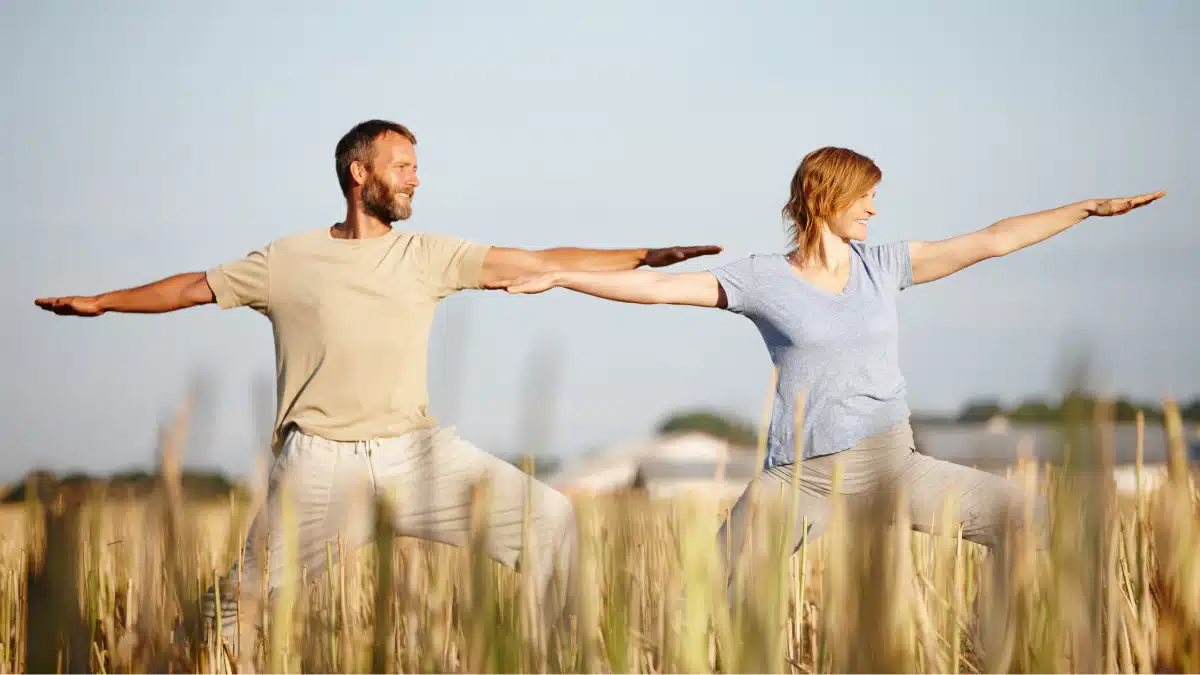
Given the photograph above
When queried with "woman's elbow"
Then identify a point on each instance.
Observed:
(996, 245)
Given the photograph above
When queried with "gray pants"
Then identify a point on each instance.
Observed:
(987, 504)
(426, 479)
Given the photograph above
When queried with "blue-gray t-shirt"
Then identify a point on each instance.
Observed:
(841, 350)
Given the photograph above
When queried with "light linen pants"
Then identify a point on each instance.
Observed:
(427, 479)
(988, 505)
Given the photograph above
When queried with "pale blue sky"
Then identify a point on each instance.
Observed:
(140, 139)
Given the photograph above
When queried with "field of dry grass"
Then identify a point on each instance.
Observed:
(102, 586)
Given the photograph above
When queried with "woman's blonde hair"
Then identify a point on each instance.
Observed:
(826, 183)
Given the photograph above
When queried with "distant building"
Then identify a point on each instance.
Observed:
(675, 464)
(665, 466)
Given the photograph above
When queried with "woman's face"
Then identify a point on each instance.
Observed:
(851, 224)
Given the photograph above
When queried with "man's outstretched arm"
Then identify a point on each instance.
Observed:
(501, 264)
(166, 295)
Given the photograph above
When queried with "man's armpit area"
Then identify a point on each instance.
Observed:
(219, 286)
(471, 268)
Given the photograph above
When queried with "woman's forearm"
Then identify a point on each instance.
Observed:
(645, 287)
(1014, 234)
(637, 286)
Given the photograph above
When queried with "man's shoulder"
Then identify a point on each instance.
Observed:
(303, 239)
(292, 243)
(440, 248)
(428, 238)
(403, 244)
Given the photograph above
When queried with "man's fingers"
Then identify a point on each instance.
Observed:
(67, 306)
(50, 304)
(681, 253)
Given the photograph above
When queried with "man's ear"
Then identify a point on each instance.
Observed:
(358, 173)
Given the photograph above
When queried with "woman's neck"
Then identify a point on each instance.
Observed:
(837, 254)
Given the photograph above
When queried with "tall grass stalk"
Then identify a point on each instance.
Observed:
(103, 584)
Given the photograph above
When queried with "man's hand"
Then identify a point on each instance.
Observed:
(662, 257)
(1116, 207)
(74, 305)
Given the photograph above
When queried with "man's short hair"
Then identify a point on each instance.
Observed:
(357, 143)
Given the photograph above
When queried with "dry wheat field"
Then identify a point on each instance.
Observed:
(93, 584)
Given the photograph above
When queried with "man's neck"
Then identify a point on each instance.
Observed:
(359, 225)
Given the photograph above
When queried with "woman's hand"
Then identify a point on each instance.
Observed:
(534, 283)
(1116, 207)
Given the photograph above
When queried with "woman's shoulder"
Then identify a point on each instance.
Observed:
(890, 259)
(750, 265)
(876, 252)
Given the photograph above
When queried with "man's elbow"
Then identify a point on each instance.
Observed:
(198, 292)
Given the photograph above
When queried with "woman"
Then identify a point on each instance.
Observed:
(827, 313)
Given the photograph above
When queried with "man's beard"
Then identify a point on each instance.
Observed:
(381, 202)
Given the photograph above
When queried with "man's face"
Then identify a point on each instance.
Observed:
(387, 192)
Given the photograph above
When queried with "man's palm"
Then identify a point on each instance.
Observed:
(71, 306)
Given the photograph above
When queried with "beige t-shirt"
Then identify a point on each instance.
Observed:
(351, 319)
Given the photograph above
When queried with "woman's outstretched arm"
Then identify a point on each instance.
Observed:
(933, 260)
(645, 287)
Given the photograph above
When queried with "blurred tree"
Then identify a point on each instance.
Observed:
(1034, 411)
(1191, 411)
(980, 411)
(716, 424)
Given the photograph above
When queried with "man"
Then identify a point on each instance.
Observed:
(351, 307)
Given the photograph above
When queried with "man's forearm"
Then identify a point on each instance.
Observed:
(1013, 234)
(503, 263)
(590, 259)
(166, 295)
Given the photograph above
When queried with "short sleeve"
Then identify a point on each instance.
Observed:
(245, 282)
(451, 264)
(894, 261)
(737, 279)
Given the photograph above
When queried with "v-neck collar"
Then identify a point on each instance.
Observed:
(840, 295)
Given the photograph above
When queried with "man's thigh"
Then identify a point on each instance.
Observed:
(430, 481)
